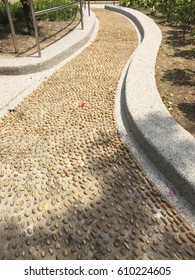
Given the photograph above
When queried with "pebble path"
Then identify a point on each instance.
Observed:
(69, 187)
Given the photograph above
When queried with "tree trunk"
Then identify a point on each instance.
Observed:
(28, 16)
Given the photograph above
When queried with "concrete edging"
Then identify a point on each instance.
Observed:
(169, 146)
(53, 54)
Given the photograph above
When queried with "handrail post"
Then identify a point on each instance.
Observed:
(35, 28)
(11, 26)
(89, 7)
(81, 13)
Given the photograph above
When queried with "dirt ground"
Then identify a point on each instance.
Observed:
(175, 76)
(175, 69)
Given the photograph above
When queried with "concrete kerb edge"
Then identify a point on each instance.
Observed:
(153, 173)
(147, 117)
(50, 57)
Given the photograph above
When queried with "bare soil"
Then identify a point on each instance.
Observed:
(175, 76)
(175, 69)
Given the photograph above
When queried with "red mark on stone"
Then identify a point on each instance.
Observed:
(172, 193)
(46, 137)
(82, 104)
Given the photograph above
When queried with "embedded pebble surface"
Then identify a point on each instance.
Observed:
(69, 187)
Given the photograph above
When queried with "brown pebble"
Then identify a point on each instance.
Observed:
(186, 225)
(54, 236)
(182, 228)
(65, 253)
(92, 247)
(141, 239)
(23, 253)
(190, 252)
(48, 242)
(174, 227)
(90, 221)
(155, 242)
(132, 237)
(48, 223)
(143, 248)
(191, 238)
(116, 229)
(47, 196)
(136, 253)
(116, 257)
(109, 250)
(183, 238)
(9, 237)
(79, 233)
(29, 230)
(66, 230)
(177, 239)
(164, 220)
(58, 246)
(28, 242)
(58, 257)
(123, 251)
(82, 201)
(53, 202)
(51, 251)
(43, 254)
(170, 219)
(56, 225)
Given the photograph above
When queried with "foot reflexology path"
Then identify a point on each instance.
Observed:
(69, 187)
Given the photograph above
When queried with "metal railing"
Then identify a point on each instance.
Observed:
(41, 12)
(57, 8)
(53, 9)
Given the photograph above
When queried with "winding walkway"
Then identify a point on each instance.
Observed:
(70, 189)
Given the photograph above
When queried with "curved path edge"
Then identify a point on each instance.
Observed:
(53, 54)
(170, 147)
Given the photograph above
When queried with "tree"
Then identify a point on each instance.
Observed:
(28, 16)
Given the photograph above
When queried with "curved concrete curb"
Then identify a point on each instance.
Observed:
(53, 54)
(170, 147)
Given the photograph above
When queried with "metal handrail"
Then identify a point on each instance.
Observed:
(41, 12)
(53, 9)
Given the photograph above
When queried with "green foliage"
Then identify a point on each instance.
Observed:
(16, 11)
(178, 11)
(3, 16)
(18, 14)
(147, 4)
(167, 8)
(184, 14)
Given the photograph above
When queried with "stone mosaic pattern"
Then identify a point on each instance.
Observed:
(69, 188)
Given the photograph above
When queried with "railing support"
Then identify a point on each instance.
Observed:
(11, 26)
(88, 2)
(81, 13)
(35, 28)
